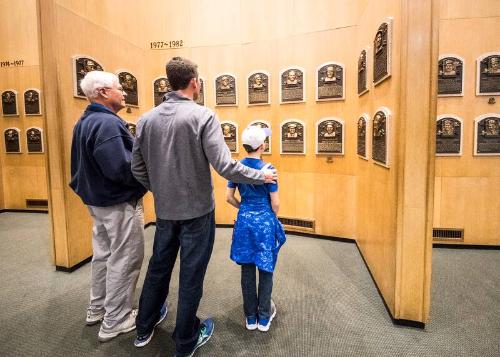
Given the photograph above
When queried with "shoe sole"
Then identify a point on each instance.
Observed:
(105, 337)
(266, 328)
(93, 322)
(142, 344)
(251, 327)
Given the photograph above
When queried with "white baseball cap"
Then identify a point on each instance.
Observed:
(255, 136)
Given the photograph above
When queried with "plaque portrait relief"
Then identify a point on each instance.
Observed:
(81, 66)
(132, 128)
(264, 124)
(161, 86)
(362, 128)
(450, 76)
(34, 140)
(32, 102)
(258, 86)
(448, 135)
(330, 136)
(225, 90)
(488, 74)
(380, 137)
(292, 87)
(11, 137)
(9, 103)
(129, 85)
(230, 134)
(487, 135)
(293, 136)
(330, 82)
(382, 52)
(201, 97)
(362, 73)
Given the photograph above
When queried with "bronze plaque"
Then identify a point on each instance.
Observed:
(82, 66)
(362, 73)
(379, 138)
(161, 86)
(9, 103)
(230, 134)
(32, 102)
(450, 76)
(381, 54)
(330, 137)
(201, 97)
(34, 140)
(258, 88)
(12, 144)
(292, 86)
(489, 75)
(225, 90)
(262, 124)
(330, 82)
(292, 138)
(361, 144)
(448, 136)
(129, 85)
(488, 136)
(132, 128)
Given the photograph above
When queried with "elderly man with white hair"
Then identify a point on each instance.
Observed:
(101, 175)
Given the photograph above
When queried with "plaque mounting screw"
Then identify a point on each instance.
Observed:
(129, 110)
(329, 159)
(491, 100)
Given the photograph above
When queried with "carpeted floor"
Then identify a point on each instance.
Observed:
(327, 303)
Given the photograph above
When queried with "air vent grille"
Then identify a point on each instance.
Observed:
(298, 224)
(448, 234)
(32, 203)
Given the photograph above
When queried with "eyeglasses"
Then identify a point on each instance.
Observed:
(119, 89)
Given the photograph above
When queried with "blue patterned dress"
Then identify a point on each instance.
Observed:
(258, 235)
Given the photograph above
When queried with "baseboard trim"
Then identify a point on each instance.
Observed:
(465, 246)
(400, 322)
(23, 210)
(74, 267)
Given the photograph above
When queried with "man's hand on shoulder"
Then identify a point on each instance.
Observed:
(270, 175)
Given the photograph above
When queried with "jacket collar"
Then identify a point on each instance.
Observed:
(174, 96)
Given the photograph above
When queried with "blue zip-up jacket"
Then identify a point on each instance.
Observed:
(101, 153)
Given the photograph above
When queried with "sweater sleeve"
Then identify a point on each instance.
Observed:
(139, 168)
(219, 156)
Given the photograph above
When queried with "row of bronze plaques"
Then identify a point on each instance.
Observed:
(31, 102)
(330, 136)
(34, 140)
(451, 75)
(330, 85)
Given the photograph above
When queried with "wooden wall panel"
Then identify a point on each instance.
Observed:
(23, 175)
(462, 202)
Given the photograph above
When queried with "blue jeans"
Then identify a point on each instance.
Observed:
(195, 238)
(254, 305)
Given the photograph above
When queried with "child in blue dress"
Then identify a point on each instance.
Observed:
(258, 235)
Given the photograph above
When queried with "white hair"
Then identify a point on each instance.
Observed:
(95, 80)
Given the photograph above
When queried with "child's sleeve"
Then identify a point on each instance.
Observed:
(231, 184)
(272, 187)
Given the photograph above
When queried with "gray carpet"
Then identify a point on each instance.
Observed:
(327, 303)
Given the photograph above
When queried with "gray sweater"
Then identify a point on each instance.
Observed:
(176, 142)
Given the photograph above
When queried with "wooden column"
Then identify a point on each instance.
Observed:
(55, 164)
(415, 147)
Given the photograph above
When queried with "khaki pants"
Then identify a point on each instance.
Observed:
(118, 251)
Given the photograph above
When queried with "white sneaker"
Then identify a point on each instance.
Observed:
(94, 317)
(265, 324)
(107, 333)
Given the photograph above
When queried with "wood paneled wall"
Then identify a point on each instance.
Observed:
(23, 176)
(467, 187)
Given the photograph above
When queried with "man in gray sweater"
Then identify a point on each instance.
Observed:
(176, 143)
